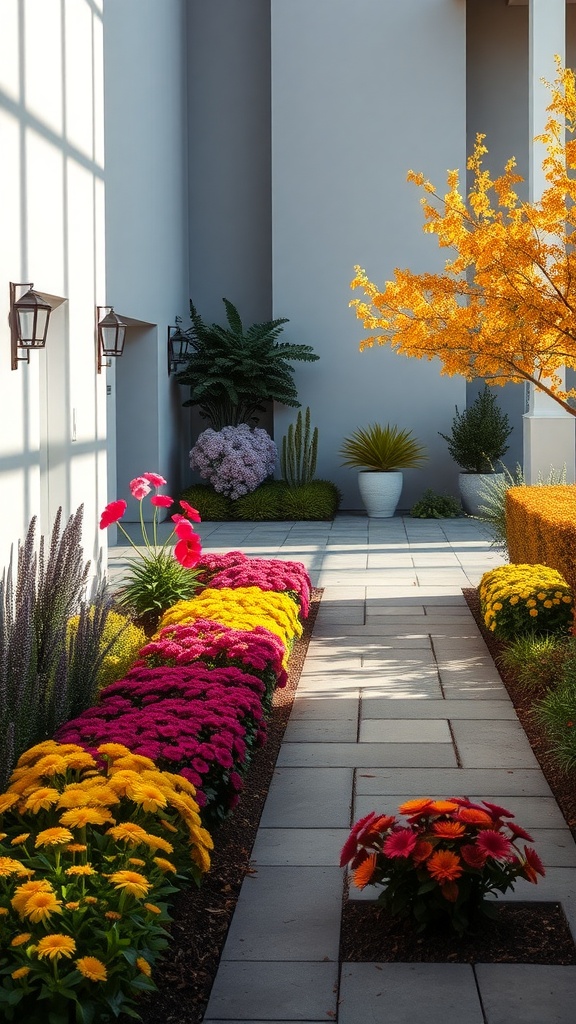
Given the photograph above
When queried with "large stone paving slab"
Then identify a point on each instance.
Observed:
(495, 783)
(312, 846)
(287, 913)
(409, 994)
(379, 707)
(309, 798)
(410, 730)
(502, 743)
(267, 991)
(425, 755)
(314, 706)
(527, 993)
(343, 730)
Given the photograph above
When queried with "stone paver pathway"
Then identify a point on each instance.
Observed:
(398, 698)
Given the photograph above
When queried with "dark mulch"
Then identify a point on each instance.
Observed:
(525, 933)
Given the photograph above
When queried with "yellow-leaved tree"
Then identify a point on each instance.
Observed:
(505, 306)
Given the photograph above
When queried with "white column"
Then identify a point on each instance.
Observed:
(549, 432)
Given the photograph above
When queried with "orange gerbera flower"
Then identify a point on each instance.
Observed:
(421, 851)
(473, 817)
(365, 871)
(415, 806)
(449, 829)
(444, 806)
(444, 866)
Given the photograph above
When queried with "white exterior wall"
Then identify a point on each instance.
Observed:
(52, 429)
(361, 93)
(146, 231)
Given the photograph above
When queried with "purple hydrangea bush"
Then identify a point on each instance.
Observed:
(234, 460)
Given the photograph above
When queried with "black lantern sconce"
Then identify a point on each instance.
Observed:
(179, 347)
(29, 319)
(110, 336)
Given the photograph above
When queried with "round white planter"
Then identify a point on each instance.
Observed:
(471, 487)
(380, 492)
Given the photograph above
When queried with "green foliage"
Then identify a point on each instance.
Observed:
(263, 504)
(156, 582)
(316, 500)
(493, 498)
(382, 448)
(43, 677)
(436, 506)
(211, 505)
(557, 713)
(479, 434)
(537, 661)
(232, 371)
(299, 451)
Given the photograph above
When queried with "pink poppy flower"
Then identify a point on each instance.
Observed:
(400, 843)
(184, 529)
(188, 552)
(494, 844)
(139, 488)
(154, 478)
(161, 500)
(112, 513)
(192, 513)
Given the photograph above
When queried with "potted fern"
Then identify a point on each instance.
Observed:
(476, 442)
(381, 453)
(232, 371)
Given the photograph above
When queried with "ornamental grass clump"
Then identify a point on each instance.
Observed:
(120, 643)
(90, 851)
(440, 863)
(234, 460)
(517, 599)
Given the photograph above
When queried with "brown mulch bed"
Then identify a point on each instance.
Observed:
(525, 933)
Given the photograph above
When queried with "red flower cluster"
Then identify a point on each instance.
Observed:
(445, 859)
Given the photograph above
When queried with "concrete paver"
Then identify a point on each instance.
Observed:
(405, 993)
(527, 993)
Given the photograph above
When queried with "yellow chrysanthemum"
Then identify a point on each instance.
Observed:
(55, 946)
(18, 840)
(53, 837)
(41, 800)
(157, 843)
(80, 869)
(20, 972)
(128, 832)
(9, 866)
(113, 750)
(91, 900)
(23, 892)
(4, 911)
(7, 800)
(113, 916)
(41, 906)
(200, 856)
(533, 612)
(79, 817)
(165, 865)
(150, 798)
(92, 968)
(76, 848)
(72, 905)
(137, 862)
(143, 966)
(21, 939)
(152, 908)
(132, 882)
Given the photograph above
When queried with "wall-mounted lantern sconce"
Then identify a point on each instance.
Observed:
(29, 318)
(110, 336)
(179, 347)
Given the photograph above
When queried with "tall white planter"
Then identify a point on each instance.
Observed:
(471, 487)
(380, 492)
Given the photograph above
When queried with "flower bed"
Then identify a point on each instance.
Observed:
(194, 704)
(516, 599)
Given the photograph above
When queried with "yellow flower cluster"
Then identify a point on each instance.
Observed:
(541, 527)
(523, 598)
(122, 639)
(241, 608)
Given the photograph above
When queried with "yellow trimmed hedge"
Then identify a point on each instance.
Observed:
(541, 527)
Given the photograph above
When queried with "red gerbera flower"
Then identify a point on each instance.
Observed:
(519, 833)
(500, 812)
(473, 857)
(112, 513)
(349, 848)
(494, 844)
(533, 865)
(400, 843)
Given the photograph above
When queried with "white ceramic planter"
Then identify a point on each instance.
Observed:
(380, 492)
(471, 486)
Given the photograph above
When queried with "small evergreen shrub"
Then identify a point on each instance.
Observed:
(264, 504)
(436, 506)
(317, 500)
(210, 505)
(516, 599)
(479, 434)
